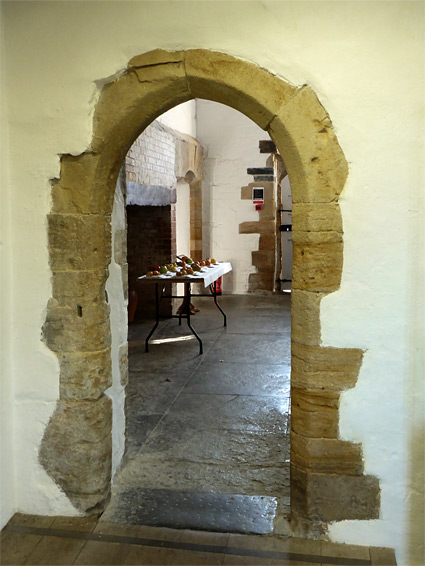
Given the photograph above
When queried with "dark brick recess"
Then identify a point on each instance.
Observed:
(151, 240)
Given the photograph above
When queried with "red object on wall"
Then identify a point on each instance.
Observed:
(217, 287)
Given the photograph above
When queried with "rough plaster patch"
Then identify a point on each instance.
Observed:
(48, 495)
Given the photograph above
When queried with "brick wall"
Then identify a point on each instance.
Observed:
(150, 162)
(151, 158)
(151, 240)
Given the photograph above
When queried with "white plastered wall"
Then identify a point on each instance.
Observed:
(183, 218)
(365, 61)
(230, 142)
(182, 224)
(7, 432)
(118, 320)
(181, 118)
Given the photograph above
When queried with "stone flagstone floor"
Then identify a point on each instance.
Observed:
(208, 436)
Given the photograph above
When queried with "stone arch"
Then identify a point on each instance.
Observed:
(327, 480)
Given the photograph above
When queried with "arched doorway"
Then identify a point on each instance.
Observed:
(327, 480)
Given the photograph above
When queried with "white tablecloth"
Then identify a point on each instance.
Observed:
(207, 276)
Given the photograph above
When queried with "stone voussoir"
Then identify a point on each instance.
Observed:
(303, 132)
(245, 87)
(146, 91)
(156, 57)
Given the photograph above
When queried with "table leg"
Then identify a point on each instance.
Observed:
(157, 317)
(188, 295)
(213, 289)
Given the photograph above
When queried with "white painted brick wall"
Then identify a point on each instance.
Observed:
(151, 158)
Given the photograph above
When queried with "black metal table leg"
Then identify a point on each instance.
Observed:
(157, 317)
(213, 289)
(188, 295)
